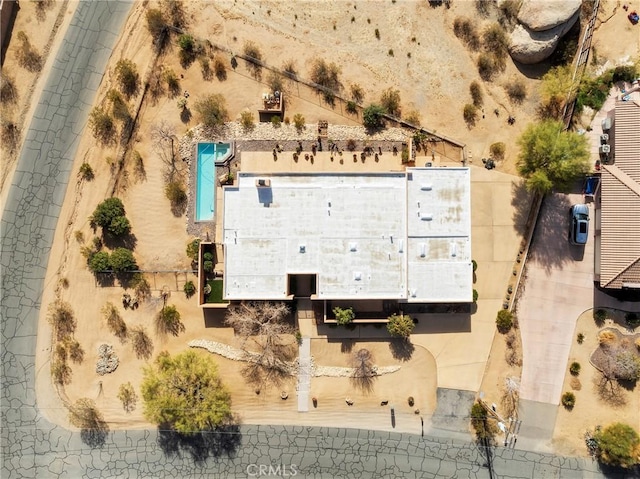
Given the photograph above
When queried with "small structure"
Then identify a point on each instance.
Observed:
(272, 105)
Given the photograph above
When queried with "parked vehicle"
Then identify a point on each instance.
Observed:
(579, 224)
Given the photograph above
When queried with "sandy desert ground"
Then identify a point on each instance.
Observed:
(434, 81)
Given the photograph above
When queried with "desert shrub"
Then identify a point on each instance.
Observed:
(8, 90)
(618, 445)
(390, 101)
(413, 117)
(86, 172)
(377, 33)
(465, 29)
(410, 401)
(327, 75)
(474, 265)
(606, 338)
(114, 321)
(580, 338)
(627, 366)
(175, 193)
(357, 93)
(141, 286)
(172, 81)
(9, 134)
(517, 91)
(75, 351)
(351, 107)
(168, 321)
(470, 114)
(372, 116)
(351, 144)
(220, 68)
(276, 121)
(189, 289)
(141, 342)
(127, 76)
(504, 321)
(212, 110)
(495, 40)
(205, 68)
(188, 49)
(247, 121)
(475, 295)
(483, 424)
(497, 150)
(569, 400)
(28, 57)
(102, 125)
(60, 371)
(252, 51)
(298, 122)
(127, 396)
(599, 316)
(476, 94)
(61, 317)
(289, 68)
(487, 66)
(575, 384)
(400, 325)
(509, 12)
(119, 226)
(275, 82)
(511, 339)
(574, 369)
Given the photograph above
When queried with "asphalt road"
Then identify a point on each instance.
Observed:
(33, 447)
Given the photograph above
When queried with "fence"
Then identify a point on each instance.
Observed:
(581, 65)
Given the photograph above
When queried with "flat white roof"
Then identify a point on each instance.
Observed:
(403, 235)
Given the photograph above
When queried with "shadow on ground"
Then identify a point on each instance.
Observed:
(552, 229)
(223, 441)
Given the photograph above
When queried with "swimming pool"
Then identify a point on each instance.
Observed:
(208, 155)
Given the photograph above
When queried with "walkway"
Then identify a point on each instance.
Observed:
(304, 375)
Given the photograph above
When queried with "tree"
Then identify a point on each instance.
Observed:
(618, 445)
(168, 321)
(99, 262)
(128, 396)
(390, 101)
(551, 158)
(372, 116)
(186, 393)
(107, 211)
(157, 26)
(127, 76)
(400, 325)
(263, 325)
(188, 49)
(84, 414)
(212, 110)
(141, 342)
(364, 370)
(344, 316)
(122, 260)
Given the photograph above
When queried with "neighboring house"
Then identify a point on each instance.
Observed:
(617, 259)
(399, 236)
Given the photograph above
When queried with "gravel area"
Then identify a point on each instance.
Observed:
(108, 360)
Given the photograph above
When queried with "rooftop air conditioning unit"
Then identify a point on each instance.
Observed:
(604, 139)
(606, 124)
(605, 149)
(263, 183)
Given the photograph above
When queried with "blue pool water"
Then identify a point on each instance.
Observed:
(208, 154)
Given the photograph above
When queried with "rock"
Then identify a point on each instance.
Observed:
(107, 360)
(541, 15)
(527, 46)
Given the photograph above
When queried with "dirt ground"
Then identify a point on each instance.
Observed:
(590, 409)
(434, 80)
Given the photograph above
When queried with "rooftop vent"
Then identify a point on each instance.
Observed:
(357, 276)
(262, 183)
(454, 249)
(400, 246)
(303, 248)
(353, 247)
(413, 292)
(423, 250)
(426, 217)
(426, 187)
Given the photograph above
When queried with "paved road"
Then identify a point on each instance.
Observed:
(33, 447)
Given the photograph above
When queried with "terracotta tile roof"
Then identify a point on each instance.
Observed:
(620, 202)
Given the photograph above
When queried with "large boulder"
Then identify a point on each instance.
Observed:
(528, 46)
(541, 15)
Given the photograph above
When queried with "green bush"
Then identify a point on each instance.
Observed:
(344, 316)
(276, 121)
(351, 107)
(175, 193)
(110, 216)
(99, 262)
(580, 338)
(207, 256)
(618, 445)
(207, 266)
(632, 320)
(299, 122)
(569, 400)
(122, 259)
(246, 120)
(574, 369)
(189, 289)
(504, 321)
(86, 172)
(193, 248)
(127, 76)
(400, 325)
(599, 316)
(372, 116)
(212, 110)
(475, 296)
